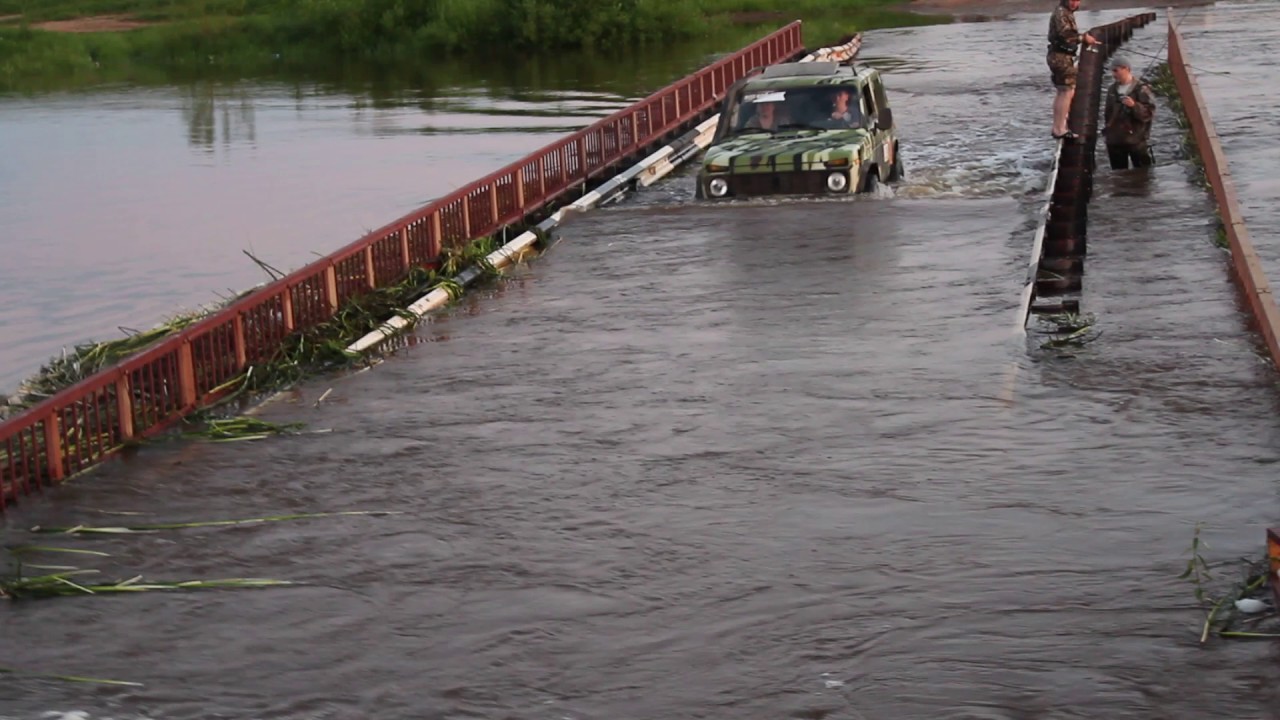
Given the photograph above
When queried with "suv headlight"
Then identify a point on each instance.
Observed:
(718, 187)
(837, 181)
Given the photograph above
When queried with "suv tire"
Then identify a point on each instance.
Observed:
(896, 171)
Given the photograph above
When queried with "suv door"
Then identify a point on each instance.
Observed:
(881, 134)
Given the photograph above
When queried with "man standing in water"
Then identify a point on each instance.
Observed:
(1129, 111)
(1064, 38)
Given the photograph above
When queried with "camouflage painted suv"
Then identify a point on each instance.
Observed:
(802, 129)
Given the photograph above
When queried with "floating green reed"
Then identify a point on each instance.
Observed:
(61, 585)
(155, 527)
(66, 678)
(237, 429)
(1071, 329)
(21, 550)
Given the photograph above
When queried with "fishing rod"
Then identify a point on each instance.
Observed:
(1193, 67)
(1155, 57)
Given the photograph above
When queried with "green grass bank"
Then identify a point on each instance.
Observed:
(201, 38)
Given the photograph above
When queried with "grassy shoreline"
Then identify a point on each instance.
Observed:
(222, 38)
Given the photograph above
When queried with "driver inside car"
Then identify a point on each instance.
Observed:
(842, 113)
(769, 116)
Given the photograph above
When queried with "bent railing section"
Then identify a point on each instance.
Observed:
(141, 396)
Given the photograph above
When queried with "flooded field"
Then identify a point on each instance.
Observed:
(756, 460)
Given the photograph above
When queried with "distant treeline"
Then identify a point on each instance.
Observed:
(251, 34)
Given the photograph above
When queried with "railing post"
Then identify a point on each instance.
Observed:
(437, 239)
(542, 177)
(124, 407)
(493, 200)
(242, 349)
(404, 249)
(331, 287)
(466, 217)
(53, 447)
(582, 156)
(186, 376)
(368, 268)
(520, 189)
(286, 309)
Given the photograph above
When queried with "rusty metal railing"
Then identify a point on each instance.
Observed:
(1060, 270)
(145, 394)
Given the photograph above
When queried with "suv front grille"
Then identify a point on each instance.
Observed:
(782, 183)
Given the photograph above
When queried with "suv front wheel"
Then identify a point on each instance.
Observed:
(872, 180)
(896, 171)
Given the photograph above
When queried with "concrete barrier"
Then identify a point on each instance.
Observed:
(1244, 260)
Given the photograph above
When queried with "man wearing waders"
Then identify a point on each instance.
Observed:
(1129, 110)
(1064, 38)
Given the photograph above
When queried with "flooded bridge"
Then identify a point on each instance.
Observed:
(742, 461)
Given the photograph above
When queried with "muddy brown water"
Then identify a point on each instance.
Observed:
(746, 461)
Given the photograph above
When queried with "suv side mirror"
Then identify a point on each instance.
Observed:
(885, 118)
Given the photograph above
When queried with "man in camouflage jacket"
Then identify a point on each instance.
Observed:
(1129, 110)
(1064, 38)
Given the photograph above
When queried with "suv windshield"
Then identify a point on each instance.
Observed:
(821, 107)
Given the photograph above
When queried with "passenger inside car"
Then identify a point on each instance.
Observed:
(770, 113)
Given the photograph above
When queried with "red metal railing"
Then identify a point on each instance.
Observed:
(84, 423)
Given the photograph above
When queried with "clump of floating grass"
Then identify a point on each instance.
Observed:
(66, 678)
(1070, 329)
(323, 347)
(22, 552)
(156, 527)
(237, 429)
(62, 585)
(1243, 610)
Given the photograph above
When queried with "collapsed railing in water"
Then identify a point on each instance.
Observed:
(144, 395)
(1057, 257)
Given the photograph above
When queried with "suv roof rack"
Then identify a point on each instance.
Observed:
(795, 69)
